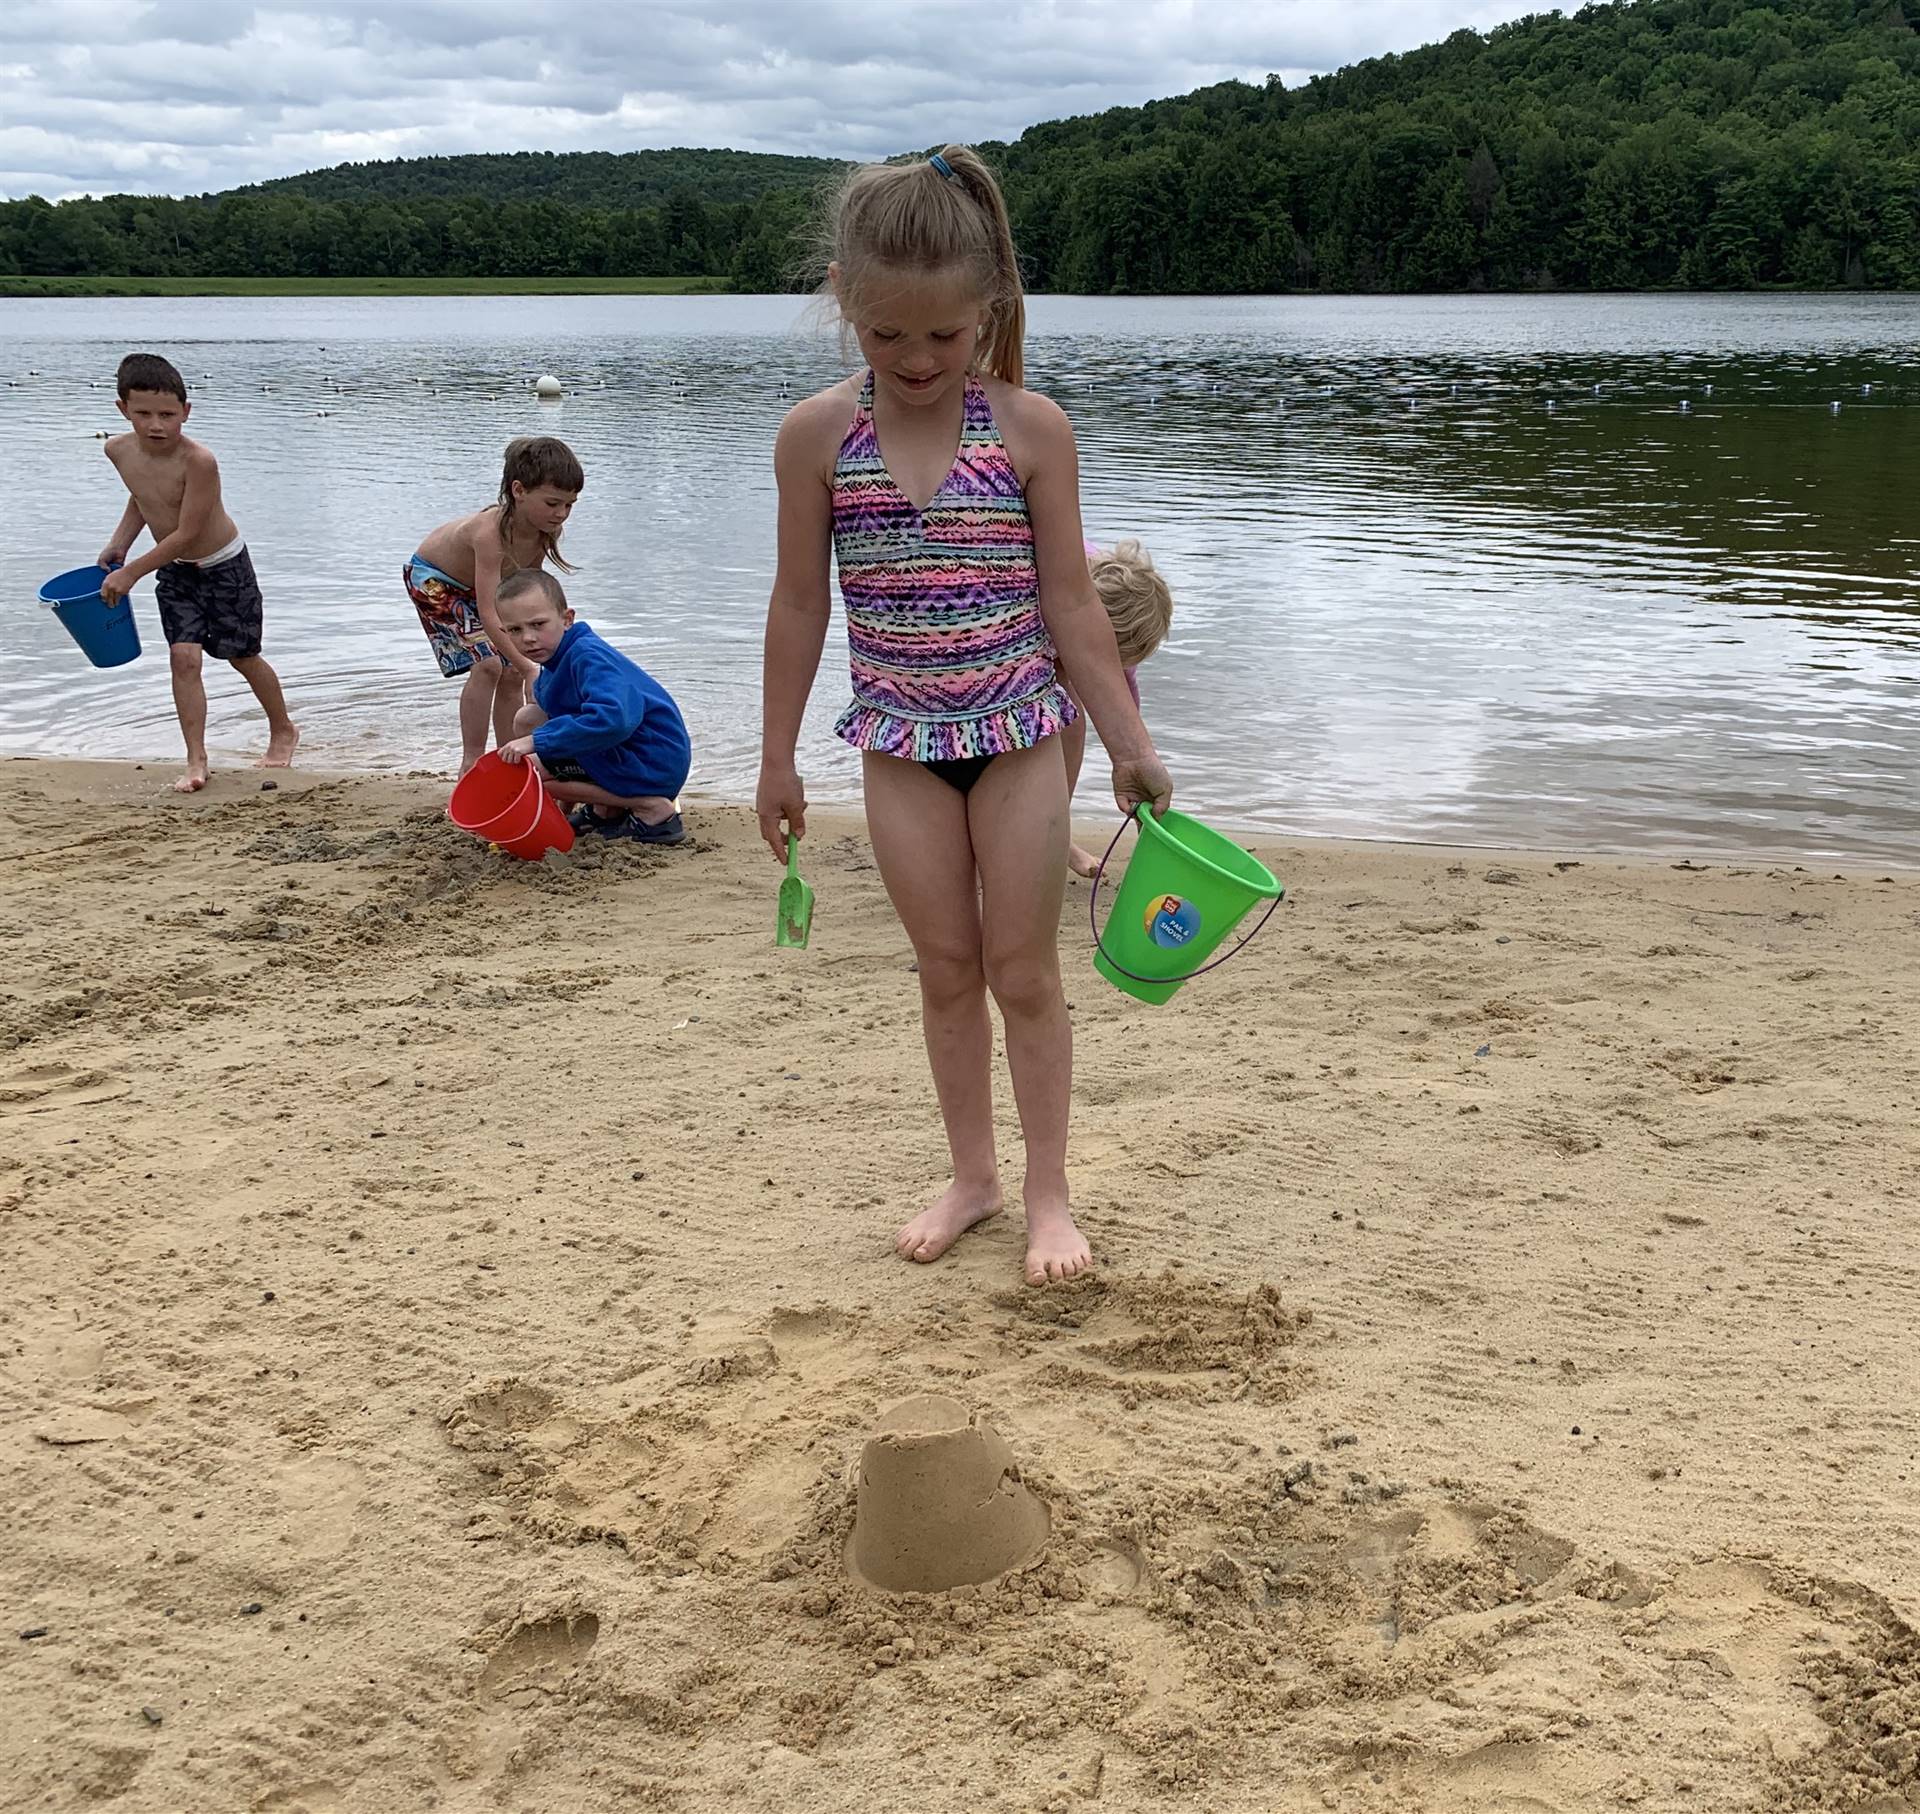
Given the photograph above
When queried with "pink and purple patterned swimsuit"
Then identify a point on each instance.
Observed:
(951, 659)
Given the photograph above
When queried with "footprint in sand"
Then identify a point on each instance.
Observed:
(320, 1495)
(43, 1088)
(308, 1798)
(537, 1654)
(64, 1353)
(80, 1424)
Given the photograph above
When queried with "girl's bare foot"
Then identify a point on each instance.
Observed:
(1056, 1249)
(280, 748)
(196, 777)
(945, 1220)
(1081, 863)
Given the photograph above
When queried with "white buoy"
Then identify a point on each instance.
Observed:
(1685, 406)
(1596, 390)
(1866, 390)
(547, 385)
(1551, 406)
(1835, 406)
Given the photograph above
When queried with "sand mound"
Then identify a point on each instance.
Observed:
(941, 1503)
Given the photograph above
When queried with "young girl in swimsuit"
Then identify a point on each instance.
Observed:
(950, 496)
(454, 576)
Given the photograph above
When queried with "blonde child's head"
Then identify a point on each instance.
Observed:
(1139, 605)
(944, 217)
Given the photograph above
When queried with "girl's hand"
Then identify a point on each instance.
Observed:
(1142, 780)
(781, 804)
(516, 751)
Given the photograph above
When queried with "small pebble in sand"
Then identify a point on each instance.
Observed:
(268, 787)
(266, 1297)
(34, 1631)
(152, 1715)
(251, 1607)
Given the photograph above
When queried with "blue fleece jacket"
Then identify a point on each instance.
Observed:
(612, 717)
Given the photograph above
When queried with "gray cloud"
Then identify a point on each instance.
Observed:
(180, 96)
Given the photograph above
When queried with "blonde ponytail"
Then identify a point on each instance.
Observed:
(930, 216)
(1003, 346)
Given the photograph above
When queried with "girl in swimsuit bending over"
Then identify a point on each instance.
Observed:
(950, 497)
(454, 576)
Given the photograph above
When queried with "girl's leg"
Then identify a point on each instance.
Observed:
(920, 841)
(477, 710)
(1018, 815)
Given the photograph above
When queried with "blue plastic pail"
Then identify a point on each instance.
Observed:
(106, 633)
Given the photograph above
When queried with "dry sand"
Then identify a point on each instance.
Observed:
(445, 1302)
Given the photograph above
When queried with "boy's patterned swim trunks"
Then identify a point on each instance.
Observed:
(448, 615)
(217, 607)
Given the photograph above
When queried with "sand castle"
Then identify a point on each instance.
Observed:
(941, 1502)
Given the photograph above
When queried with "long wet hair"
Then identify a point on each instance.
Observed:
(887, 219)
(533, 461)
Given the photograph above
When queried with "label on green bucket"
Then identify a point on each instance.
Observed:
(1172, 922)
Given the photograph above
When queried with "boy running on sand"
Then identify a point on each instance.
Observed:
(208, 595)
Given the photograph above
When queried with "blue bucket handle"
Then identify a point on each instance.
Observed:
(82, 597)
(1093, 920)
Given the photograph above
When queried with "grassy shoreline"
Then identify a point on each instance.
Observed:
(362, 286)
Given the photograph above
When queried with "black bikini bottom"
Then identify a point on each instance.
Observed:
(960, 772)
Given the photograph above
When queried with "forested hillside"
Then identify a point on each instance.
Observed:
(578, 179)
(1689, 142)
(1683, 143)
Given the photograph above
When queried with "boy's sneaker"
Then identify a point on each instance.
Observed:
(585, 819)
(669, 831)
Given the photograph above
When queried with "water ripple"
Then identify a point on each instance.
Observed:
(1600, 572)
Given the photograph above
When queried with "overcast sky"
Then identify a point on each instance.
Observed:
(181, 96)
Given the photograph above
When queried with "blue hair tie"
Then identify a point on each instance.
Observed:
(947, 170)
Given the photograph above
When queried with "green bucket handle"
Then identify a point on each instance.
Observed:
(1093, 918)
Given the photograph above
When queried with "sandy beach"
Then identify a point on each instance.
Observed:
(446, 1301)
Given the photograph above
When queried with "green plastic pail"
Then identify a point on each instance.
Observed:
(1185, 889)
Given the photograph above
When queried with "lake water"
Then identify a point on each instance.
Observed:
(1566, 571)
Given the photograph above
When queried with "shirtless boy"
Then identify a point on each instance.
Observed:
(209, 598)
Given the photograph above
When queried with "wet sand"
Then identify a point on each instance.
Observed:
(446, 1302)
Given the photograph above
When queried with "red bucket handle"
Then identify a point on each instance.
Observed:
(1093, 920)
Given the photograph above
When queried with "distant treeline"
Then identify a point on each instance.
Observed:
(1664, 143)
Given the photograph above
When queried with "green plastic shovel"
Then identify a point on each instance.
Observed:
(796, 902)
